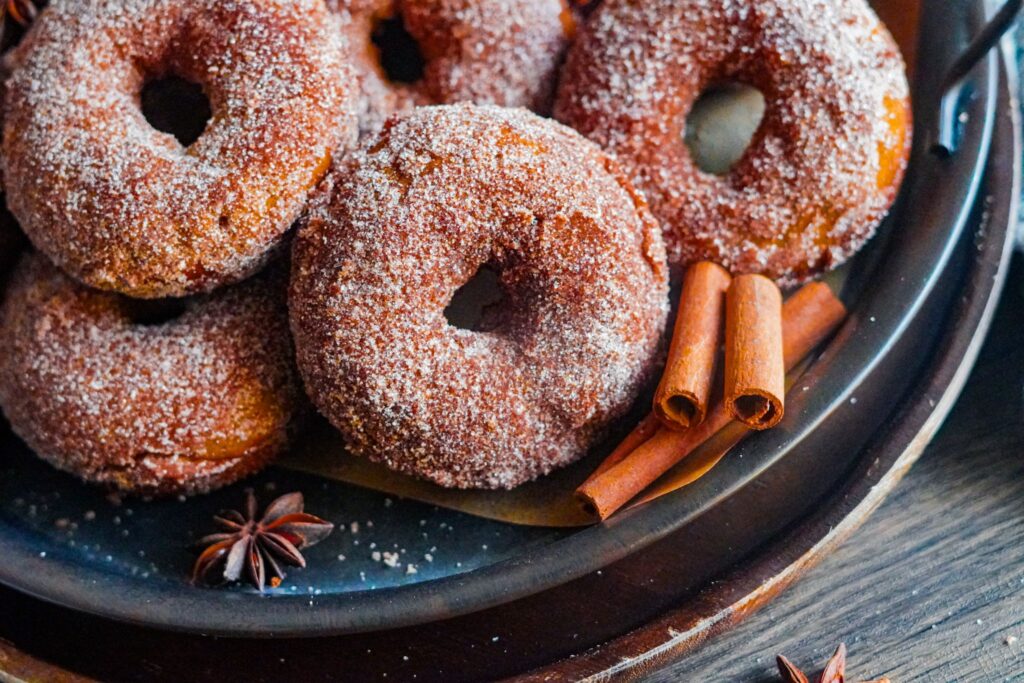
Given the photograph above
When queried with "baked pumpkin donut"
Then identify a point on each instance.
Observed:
(503, 52)
(407, 220)
(122, 206)
(826, 161)
(143, 406)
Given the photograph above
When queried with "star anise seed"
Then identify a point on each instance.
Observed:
(257, 548)
(835, 669)
(789, 672)
(21, 12)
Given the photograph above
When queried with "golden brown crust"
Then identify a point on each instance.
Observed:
(181, 406)
(407, 219)
(122, 206)
(503, 52)
(822, 169)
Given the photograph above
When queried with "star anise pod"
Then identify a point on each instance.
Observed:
(258, 547)
(835, 669)
(22, 12)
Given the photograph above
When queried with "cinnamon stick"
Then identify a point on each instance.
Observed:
(808, 317)
(681, 399)
(755, 375)
(643, 431)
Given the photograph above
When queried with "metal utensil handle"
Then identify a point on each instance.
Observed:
(946, 137)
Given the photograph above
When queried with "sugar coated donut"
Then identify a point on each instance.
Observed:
(826, 161)
(407, 220)
(182, 406)
(503, 52)
(122, 206)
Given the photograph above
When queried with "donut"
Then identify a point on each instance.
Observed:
(99, 387)
(822, 168)
(122, 206)
(406, 220)
(503, 52)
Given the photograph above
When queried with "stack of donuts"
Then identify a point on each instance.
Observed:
(186, 304)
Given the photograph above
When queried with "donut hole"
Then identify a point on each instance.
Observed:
(477, 300)
(176, 106)
(721, 125)
(153, 312)
(398, 52)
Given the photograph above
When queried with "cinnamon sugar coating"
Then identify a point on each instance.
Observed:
(124, 207)
(182, 406)
(410, 217)
(502, 52)
(823, 167)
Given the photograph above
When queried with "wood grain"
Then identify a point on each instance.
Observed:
(17, 667)
(932, 587)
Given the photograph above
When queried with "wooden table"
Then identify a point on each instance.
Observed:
(931, 588)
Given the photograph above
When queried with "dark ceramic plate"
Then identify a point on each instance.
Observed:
(68, 544)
